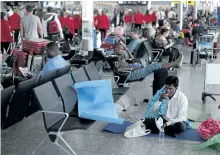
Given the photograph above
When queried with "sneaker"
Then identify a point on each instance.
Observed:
(179, 61)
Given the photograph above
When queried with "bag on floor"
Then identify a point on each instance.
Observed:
(209, 128)
(138, 129)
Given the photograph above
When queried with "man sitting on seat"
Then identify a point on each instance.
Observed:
(54, 58)
(134, 45)
(140, 69)
(170, 104)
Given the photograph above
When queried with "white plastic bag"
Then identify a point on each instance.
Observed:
(137, 129)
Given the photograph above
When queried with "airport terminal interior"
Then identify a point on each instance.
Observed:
(110, 77)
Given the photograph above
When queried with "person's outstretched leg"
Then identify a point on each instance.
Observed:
(145, 71)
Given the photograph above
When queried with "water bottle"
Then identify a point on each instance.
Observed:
(161, 136)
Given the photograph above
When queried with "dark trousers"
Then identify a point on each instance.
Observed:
(103, 33)
(68, 36)
(172, 53)
(5, 45)
(137, 26)
(171, 130)
(16, 34)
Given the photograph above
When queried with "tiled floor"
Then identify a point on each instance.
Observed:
(23, 137)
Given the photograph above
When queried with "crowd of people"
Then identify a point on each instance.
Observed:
(31, 26)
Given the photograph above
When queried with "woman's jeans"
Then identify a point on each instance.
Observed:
(144, 71)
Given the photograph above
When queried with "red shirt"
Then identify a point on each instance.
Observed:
(62, 21)
(77, 21)
(128, 18)
(96, 19)
(70, 24)
(103, 22)
(148, 18)
(5, 27)
(138, 18)
(154, 17)
(14, 21)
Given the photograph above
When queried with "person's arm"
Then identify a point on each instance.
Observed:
(182, 112)
(39, 27)
(154, 100)
(59, 26)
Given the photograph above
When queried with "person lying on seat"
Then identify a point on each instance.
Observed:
(170, 104)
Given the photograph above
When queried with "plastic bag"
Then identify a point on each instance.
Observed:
(137, 129)
(209, 128)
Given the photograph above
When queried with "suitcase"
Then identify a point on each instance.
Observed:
(35, 63)
(20, 60)
(160, 77)
(194, 58)
(34, 46)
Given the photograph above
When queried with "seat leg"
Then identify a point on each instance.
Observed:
(34, 152)
(121, 103)
(64, 141)
(135, 99)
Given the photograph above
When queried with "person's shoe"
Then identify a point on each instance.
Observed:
(145, 100)
(179, 61)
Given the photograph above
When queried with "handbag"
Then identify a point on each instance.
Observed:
(138, 129)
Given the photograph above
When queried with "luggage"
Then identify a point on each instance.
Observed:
(110, 42)
(194, 58)
(36, 63)
(65, 47)
(160, 77)
(20, 60)
(35, 46)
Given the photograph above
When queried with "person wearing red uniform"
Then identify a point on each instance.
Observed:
(14, 22)
(6, 37)
(62, 19)
(128, 19)
(147, 17)
(96, 19)
(70, 24)
(138, 19)
(153, 16)
(103, 24)
(77, 22)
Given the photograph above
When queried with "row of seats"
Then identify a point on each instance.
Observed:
(18, 101)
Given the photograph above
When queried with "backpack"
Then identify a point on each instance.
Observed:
(52, 27)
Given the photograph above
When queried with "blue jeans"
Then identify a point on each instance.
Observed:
(144, 71)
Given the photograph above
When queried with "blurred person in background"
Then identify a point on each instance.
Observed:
(103, 24)
(14, 21)
(138, 19)
(48, 17)
(77, 22)
(30, 25)
(6, 37)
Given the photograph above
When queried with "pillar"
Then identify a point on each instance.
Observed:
(195, 10)
(180, 13)
(149, 5)
(87, 26)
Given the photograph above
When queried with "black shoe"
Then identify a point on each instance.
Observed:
(146, 100)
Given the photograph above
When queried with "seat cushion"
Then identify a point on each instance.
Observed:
(120, 90)
(72, 123)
